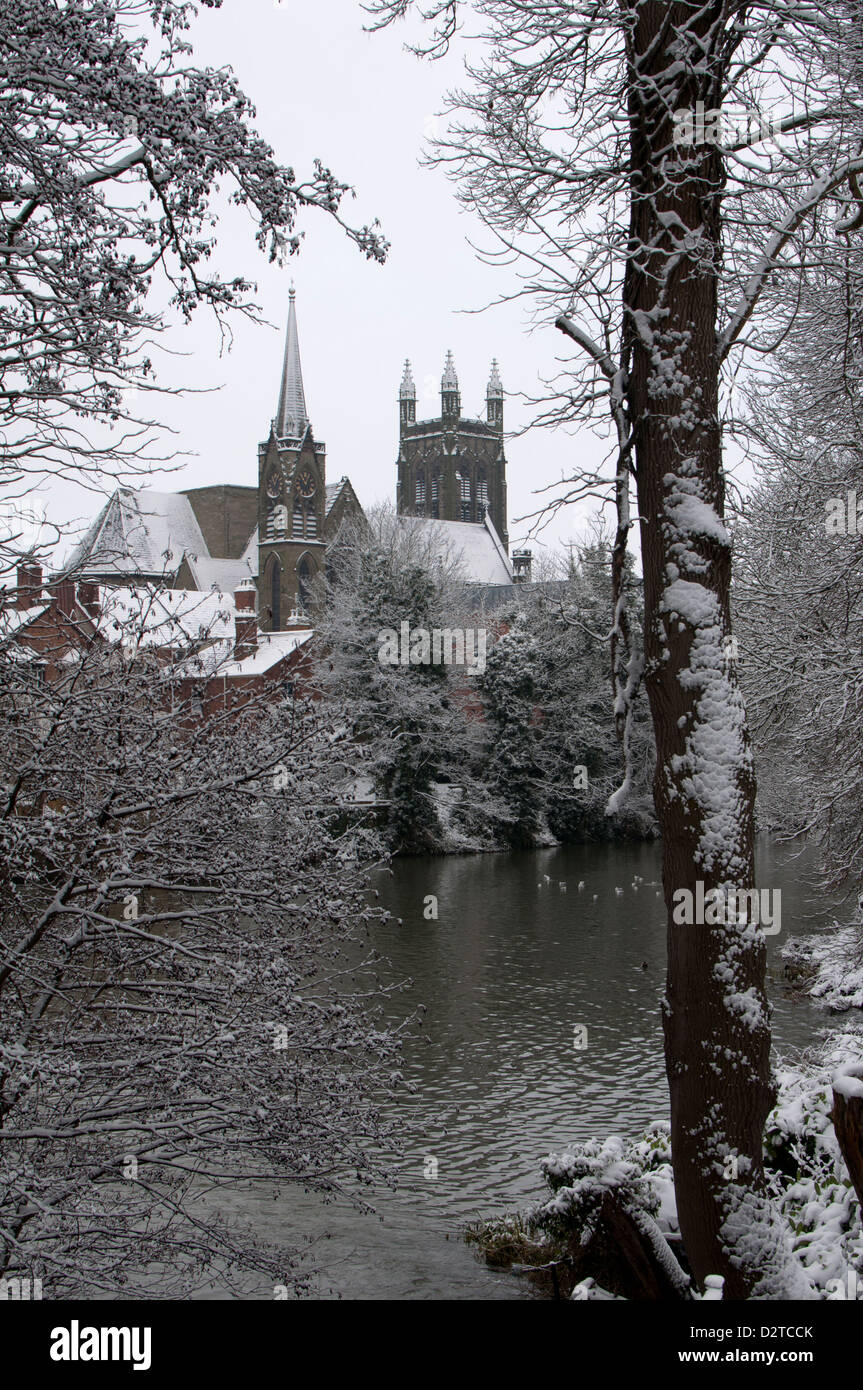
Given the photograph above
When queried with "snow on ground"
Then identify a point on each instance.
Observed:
(829, 966)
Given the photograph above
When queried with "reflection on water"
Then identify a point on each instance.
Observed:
(526, 949)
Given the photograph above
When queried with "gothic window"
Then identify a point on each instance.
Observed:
(464, 486)
(305, 524)
(481, 494)
(276, 522)
(434, 495)
(276, 595)
(304, 579)
(420, 493)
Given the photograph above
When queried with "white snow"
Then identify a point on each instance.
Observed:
(477, 548)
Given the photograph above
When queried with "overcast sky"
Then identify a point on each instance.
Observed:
(324, 88)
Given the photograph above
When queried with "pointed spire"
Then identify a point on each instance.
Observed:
(407, 390)
(494, 390)
(449, 380)
(292, 420)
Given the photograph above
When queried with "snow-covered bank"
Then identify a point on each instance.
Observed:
(829, 967)
(807, 1181)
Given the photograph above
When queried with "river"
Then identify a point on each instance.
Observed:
(541, 977)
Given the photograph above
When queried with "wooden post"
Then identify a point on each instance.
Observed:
(848, 1121)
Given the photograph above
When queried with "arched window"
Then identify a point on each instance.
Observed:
(464, 488)
(276, 595)
(435, 485)
(304, 580)
(420, 494)
(481, 494)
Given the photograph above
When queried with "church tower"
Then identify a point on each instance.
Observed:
(453, 468)
(291, 499)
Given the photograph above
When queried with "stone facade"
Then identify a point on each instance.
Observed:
(291, 515)
(227, 515)
(452, 468)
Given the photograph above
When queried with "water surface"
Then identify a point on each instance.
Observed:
(528, 951)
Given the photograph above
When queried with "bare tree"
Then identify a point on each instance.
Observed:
(799, 589)
(188, 994)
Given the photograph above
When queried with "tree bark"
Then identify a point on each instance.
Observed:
(629, 1256)
(716, 1047)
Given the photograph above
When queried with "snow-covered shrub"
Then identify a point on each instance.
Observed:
(805, 1170)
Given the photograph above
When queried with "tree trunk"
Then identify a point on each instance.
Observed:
(716, 1019)
(627, 1254)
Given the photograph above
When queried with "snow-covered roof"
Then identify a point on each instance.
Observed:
(332, 491)
(226, 575)
(152, 616)
(476, 546)
(140, 532)
(12, 620)
(219, 660)
(249, 557)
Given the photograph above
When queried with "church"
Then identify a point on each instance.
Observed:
(451, 478)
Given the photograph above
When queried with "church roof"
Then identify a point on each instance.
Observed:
(249, 556)
(226, 575)
(151, 615)
(476, 547)
(292, 418)
(219, 659)
(139, 532)
(332, 491)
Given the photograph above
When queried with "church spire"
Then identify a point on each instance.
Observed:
(449, 392)
(407, 399)
(292, 419)
(494, 397)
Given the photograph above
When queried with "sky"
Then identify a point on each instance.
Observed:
(363, 105)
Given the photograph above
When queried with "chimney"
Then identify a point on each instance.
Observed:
(64, 595)
(88, 597)
(245, 621)
(245, 635)
(29, 584)
(244, 596)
